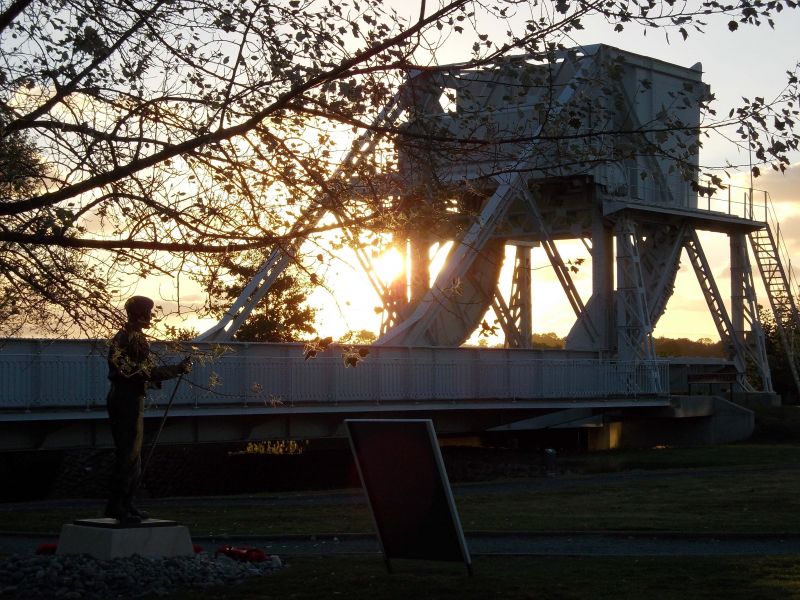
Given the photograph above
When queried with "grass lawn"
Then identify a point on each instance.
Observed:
(748, 489)
(742, 502)
(731, 455)
(736, 488)
(512, 578)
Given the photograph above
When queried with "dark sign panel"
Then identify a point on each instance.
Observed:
(402, 471)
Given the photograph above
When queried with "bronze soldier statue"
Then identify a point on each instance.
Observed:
(132, 369)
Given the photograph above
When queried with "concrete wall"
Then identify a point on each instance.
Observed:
(729, 422)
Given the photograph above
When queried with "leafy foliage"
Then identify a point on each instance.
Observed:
(780, 369)
(281, 316)
(547, 340)
(359, 336)
(686, 347)
(41, 285)
(664, 346)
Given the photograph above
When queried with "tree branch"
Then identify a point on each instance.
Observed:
(12, 12)
(221, 134)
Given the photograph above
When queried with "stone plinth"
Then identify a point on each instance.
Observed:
(108, 538)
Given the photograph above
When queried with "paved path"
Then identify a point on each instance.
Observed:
(343, 497)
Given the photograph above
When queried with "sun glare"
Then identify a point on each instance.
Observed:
(389, 266)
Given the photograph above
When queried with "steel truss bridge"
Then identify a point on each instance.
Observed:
(506, 189)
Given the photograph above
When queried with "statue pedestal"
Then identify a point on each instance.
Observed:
(108, 538)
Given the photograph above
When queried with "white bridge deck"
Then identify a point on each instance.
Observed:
(38, 375)
(52, 392)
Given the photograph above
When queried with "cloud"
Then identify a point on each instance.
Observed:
(784, 193)
(782, 187)
(790, 234)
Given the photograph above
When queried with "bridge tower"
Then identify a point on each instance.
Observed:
(593, 144)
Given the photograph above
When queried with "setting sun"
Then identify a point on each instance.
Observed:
(389, 266)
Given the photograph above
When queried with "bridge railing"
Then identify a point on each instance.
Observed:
(45, 374)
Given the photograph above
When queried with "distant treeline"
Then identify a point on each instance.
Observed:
(664, 346)
(686, 347)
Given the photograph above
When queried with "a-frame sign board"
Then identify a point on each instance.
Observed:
(409, 495)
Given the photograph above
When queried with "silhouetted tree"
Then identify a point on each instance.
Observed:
(547, 340)
(782, 379)
(283, 315)
(685, 347)
(174, 134)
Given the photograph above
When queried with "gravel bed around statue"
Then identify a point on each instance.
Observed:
(86, 578)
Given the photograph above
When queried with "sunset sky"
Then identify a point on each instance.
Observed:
(746, 63)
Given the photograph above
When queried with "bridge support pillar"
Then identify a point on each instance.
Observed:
(603, 280)
(694, 421)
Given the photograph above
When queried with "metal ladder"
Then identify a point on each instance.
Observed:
(776, 283)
